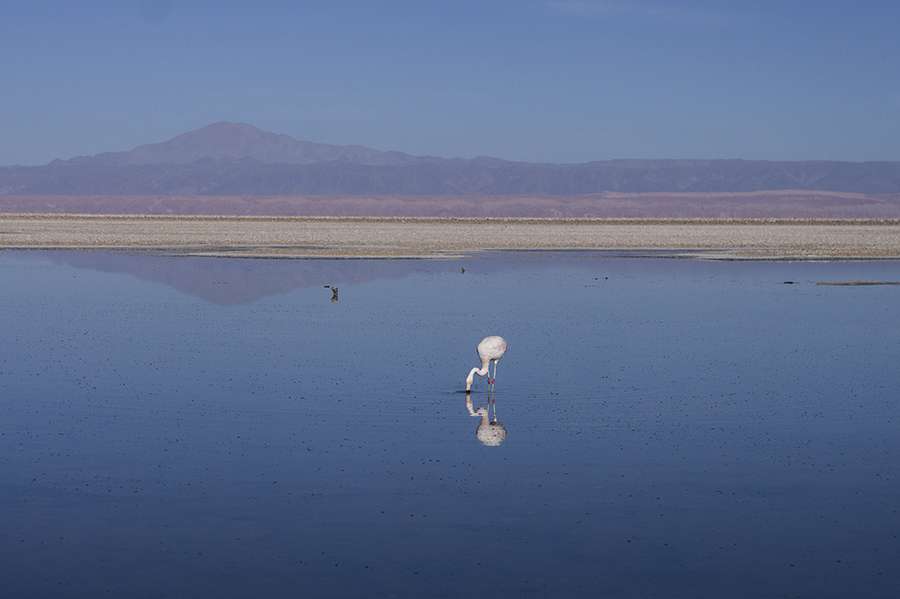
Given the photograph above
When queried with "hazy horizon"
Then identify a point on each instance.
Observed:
(243, 125)
(540, 81)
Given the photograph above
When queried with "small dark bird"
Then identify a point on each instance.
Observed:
(462, 269)
(334, 293)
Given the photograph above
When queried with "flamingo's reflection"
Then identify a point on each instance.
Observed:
(490, 431)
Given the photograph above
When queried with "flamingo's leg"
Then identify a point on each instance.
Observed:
(492, 404)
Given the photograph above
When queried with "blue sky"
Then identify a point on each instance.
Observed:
(542, 80)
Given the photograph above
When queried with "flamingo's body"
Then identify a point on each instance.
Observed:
(490, 431)
(491, 349)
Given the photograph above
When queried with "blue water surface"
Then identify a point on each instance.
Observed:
(210, 427)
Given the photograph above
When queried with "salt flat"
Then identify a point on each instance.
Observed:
(298, 237)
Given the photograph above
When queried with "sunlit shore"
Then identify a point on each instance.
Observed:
(300, 237)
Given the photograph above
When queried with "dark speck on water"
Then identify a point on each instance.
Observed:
(197, 427)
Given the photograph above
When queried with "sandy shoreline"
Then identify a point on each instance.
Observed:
(776, 203)
(307, 237)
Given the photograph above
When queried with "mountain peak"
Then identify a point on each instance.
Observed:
(226, 140)
(227, 128)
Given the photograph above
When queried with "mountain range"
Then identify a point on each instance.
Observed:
(235, 159)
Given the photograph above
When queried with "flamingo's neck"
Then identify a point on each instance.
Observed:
(485, 368)
(485, 417)
(479, 371)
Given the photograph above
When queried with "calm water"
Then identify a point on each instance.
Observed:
(180, 427)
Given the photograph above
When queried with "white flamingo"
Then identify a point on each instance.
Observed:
(490, 431)
(491, 349)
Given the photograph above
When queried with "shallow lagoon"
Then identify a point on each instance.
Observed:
(676, 428)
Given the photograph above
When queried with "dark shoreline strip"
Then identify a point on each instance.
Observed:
(856, 283)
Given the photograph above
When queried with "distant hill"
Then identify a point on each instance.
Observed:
(237, 159)
(237, 141)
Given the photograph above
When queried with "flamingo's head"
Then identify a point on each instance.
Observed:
(470, 379)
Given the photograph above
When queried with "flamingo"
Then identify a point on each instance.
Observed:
(491, 349)
(490, 431)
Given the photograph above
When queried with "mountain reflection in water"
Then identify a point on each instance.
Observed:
(226, 281)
